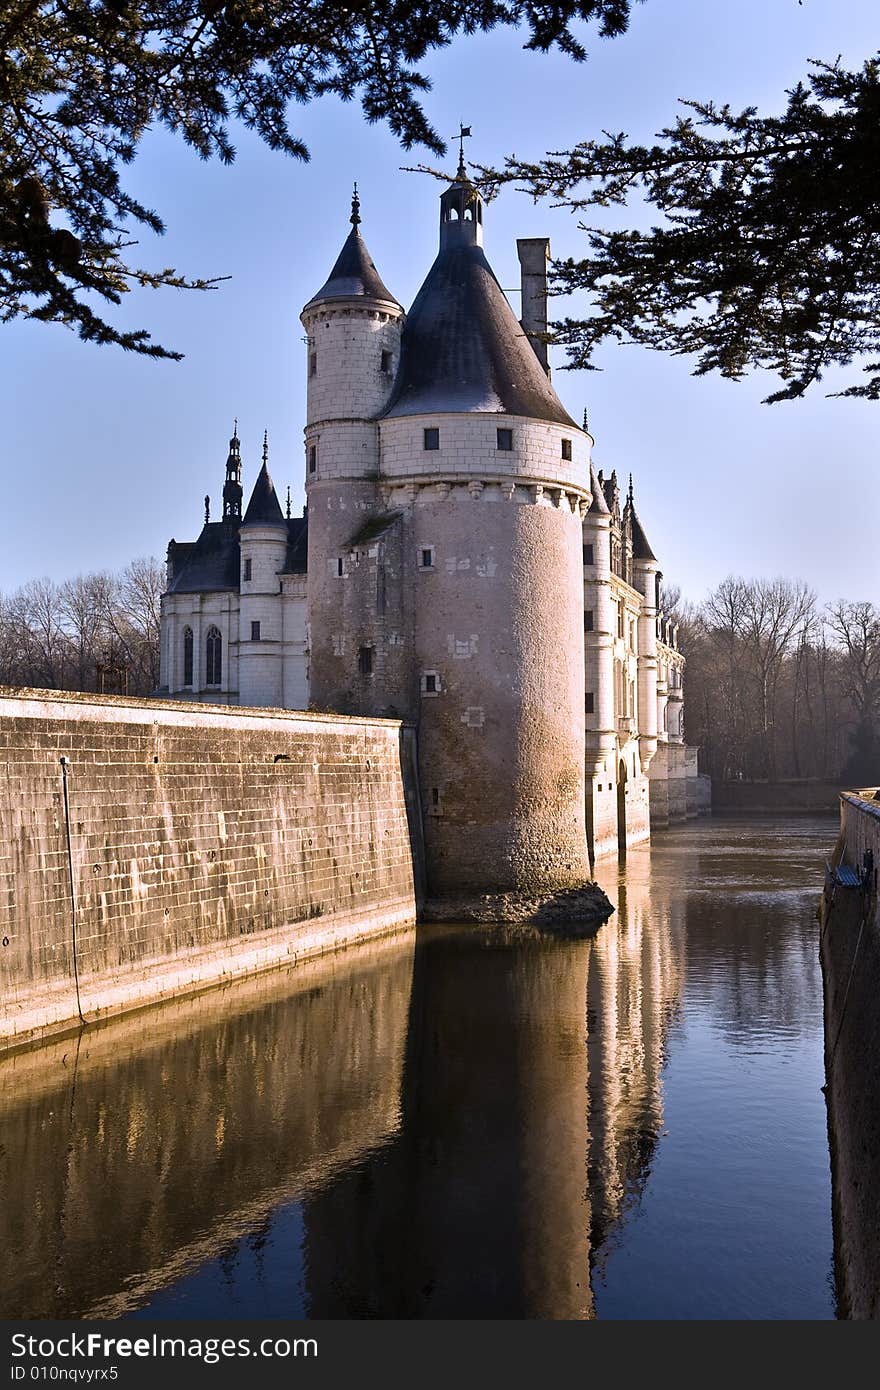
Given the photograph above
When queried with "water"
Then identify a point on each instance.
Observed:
(489, 1123)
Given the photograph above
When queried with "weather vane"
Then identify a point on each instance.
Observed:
(463, 131)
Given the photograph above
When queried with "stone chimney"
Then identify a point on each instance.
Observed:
(534, 257)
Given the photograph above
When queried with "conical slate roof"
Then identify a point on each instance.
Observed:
(354, 275)
(264, 509)
(641, 548)
(463, 350)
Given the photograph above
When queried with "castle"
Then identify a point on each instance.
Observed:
(460, 565)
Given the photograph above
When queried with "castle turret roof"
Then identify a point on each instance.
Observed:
(354, 275)
(264, 509)
(641, 548)
(463, 349)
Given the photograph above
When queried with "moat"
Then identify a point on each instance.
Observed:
(479, 1123)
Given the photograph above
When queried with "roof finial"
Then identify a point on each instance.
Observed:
(288, 501)
(207, 509)
(355, 207)
(629, 495)
(463, 130)
(235, 428)
(265, 448)
(586, 425)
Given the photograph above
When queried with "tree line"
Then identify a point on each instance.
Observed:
(777, 686)
(97, 632)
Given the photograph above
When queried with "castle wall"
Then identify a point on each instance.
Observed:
(638, 813)
(206, 843)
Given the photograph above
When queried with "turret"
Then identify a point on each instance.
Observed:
(263, 541)
(598, 633)
(353, 325)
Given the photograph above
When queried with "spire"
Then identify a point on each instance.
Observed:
(232, 493)
(598, 504)
(264, 509)
(354, 275)
(463, 130)
(629, 496)
(586, 424)
(287, 509)
(207, 509)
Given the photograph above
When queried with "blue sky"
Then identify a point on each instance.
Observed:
(107, 456)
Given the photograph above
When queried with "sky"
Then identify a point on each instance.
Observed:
(107, 456)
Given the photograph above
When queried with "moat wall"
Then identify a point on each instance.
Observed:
(774, 798)
(850, 952)
(206, 843)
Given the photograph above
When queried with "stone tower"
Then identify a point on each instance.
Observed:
(445, 566)
(599, 633)
(353, 326)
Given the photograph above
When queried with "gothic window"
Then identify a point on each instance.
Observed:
(432, 439)
(505, 440)
(187, 656)
(213, 657)
(620, 621)
(247, 569)
(566, 449)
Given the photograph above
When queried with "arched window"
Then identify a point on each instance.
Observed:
(214, 657)
(187, 656)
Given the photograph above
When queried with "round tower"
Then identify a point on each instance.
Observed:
(263, 543)
(491, 478)
(599, 629)
(353, 327)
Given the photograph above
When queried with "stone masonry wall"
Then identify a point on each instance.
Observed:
(850, 953)
(206, 843)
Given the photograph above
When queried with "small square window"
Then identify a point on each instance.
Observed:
(588, 555)
(386, 362)
(588, 703)
(255, 632)
(505, 440)
(566, 448)
(430, 683)
(365, 661)
(313, 459)
(313, 364)
(432, 439)
(247, 570)
(426, 558)
(588, 620)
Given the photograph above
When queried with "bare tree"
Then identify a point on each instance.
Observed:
(856, 630)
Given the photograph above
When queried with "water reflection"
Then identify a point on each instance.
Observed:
(497, 1124)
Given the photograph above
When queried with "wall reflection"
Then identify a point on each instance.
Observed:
(129, 1160)
(464, 1126)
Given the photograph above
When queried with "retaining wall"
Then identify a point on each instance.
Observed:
(206, 843)
(850, 952)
